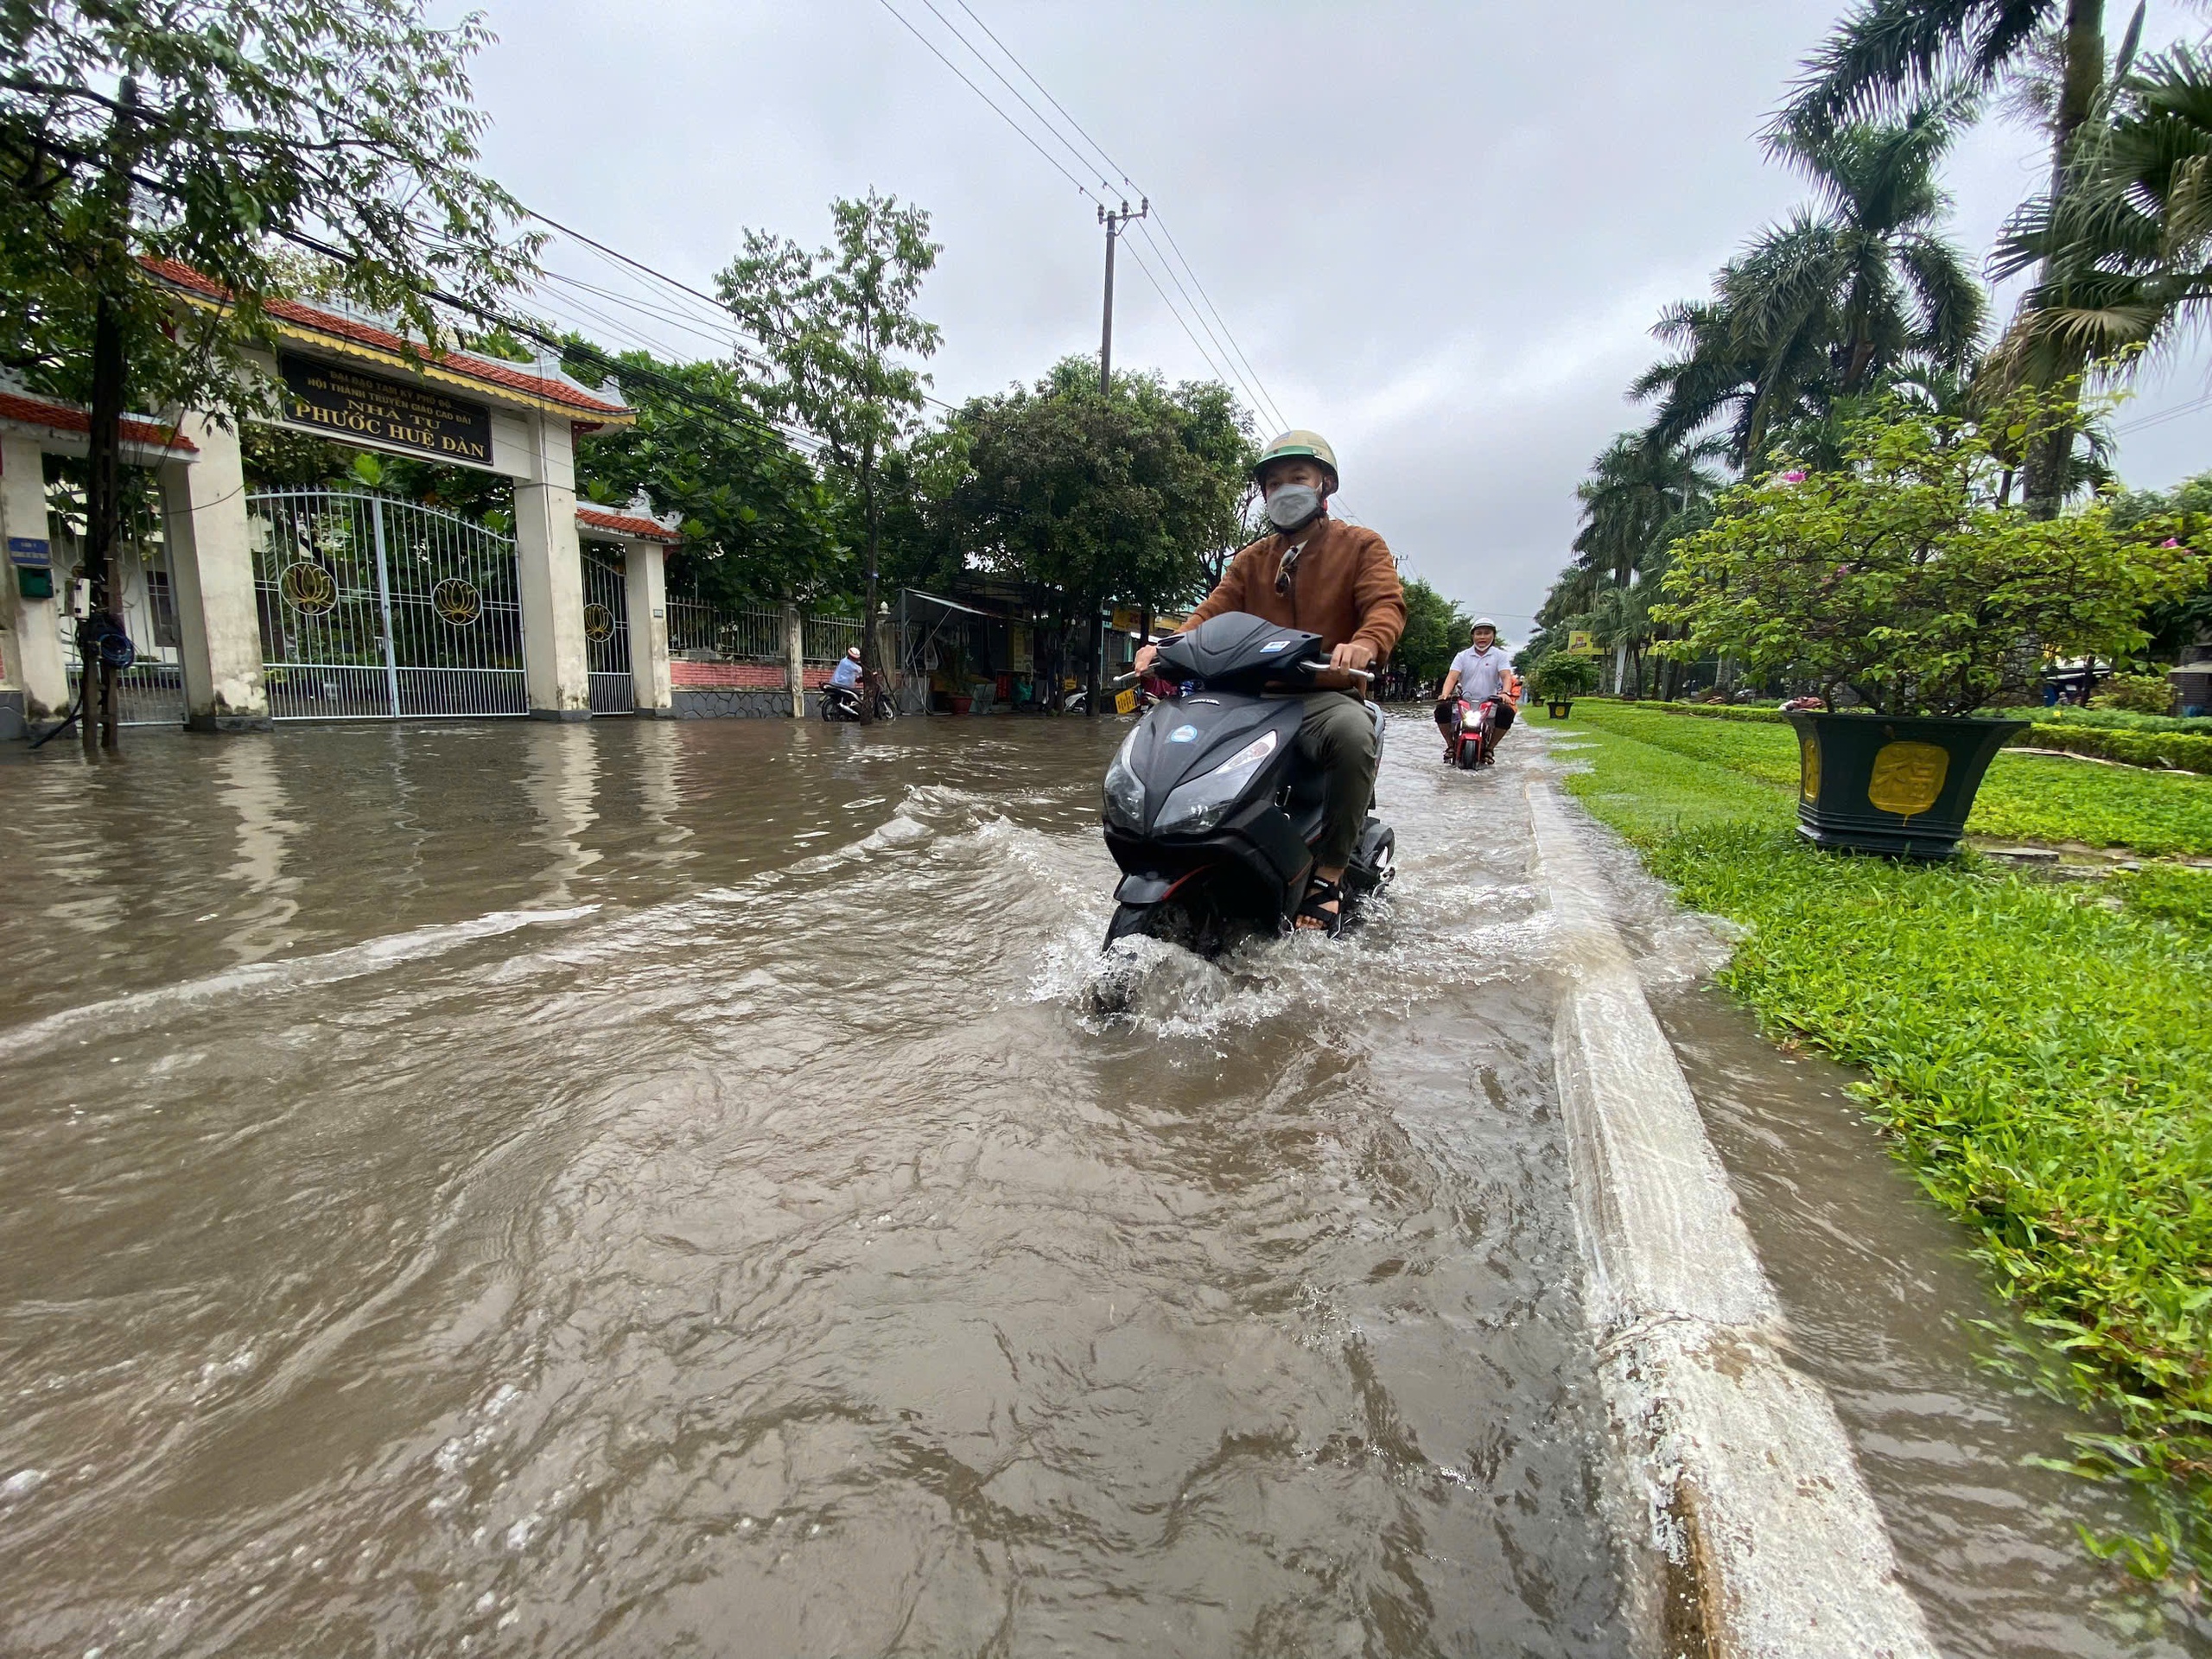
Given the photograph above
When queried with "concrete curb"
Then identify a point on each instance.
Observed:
(1743, 1472)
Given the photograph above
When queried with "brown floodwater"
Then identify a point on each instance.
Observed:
(644, 1188)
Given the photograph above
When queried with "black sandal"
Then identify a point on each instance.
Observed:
(1317, 893)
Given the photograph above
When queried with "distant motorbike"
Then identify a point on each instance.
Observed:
(1079, 702)
(1210, 810)
(844, 702)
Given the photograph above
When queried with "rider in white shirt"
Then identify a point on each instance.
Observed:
(1480, 674)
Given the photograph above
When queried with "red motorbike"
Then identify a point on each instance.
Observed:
(1472, 731)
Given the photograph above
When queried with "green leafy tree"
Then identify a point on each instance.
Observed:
(1901, 577)
(1436, 630)
(758, 522)
(836, 325)
(1128, 496)
(211, 132)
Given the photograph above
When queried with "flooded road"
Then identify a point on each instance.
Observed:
(639, 1188)
(676, 1196)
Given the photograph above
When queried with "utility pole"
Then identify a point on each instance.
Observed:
(1114, 224)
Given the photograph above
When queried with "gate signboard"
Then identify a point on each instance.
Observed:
(361, 408)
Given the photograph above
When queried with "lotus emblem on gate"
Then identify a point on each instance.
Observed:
(309, 589)
(599, 623)
(457, 601)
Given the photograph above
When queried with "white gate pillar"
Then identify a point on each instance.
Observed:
(550, 565)
(31, 662)
(646, 579)
(795, 659)
(211, 565)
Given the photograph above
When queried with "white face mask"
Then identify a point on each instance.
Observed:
(1292, 506)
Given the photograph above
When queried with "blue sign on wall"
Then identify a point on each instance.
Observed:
(30, 551)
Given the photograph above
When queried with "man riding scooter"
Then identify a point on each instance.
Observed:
(1315, 574)
(1481, 675)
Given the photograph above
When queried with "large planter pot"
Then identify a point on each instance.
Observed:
(1903, 786)
(1560, 707)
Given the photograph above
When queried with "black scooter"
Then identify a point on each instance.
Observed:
(844, 702)
(1209, 811)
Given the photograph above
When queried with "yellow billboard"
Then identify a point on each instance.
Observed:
(1578, 643)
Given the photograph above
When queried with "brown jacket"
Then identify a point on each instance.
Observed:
(1343, 585)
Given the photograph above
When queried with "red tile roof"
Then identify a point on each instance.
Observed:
(626, 523)
(66, 417)
(482, 370)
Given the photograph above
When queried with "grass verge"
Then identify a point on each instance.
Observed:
(2044, 1060)
(2026, 797)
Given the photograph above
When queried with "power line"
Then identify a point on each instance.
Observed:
(1113, 166)
(722, 307)
(1169, 233)
(1269, 407)
(2144, 423)
(1173, 312)
(1246, 379)
(1042, 120)
(1052, 160)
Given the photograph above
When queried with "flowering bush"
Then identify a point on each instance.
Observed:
(1902, 578)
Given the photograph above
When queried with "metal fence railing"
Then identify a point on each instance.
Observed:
(829, 638)
(732, 633)
(697, 628)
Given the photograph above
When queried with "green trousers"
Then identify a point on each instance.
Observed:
(1339, 737)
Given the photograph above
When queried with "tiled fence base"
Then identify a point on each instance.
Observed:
(730, 702)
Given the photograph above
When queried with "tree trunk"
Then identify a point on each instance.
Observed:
(868, 653)
(1097, 635)
(2043, 482)
(104, 512)
(103, 493)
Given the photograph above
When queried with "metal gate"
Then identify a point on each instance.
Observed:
(373, 608)
(607, 637)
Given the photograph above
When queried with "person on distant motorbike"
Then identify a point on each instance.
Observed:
(1318, 575)
(848, 669)
(1479, 674)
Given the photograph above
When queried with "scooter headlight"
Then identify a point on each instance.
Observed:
(1124, 790)
(1199, 805)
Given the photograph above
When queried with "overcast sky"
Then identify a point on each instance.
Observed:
(1440, 232)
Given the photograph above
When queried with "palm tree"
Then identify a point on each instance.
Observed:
(1640, 496)
(2123, 252)
(1833, 299)
(1889, 52)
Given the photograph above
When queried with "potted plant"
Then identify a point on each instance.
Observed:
(1558, 677)
(1905, 580)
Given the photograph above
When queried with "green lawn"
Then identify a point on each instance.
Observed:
(2045, 1060)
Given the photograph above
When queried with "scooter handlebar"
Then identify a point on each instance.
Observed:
(1323, 666)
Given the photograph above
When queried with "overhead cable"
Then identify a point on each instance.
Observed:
(1116, 167)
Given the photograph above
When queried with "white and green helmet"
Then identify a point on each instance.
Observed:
(1298, 444)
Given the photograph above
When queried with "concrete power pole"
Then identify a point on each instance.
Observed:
(1114, 224)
